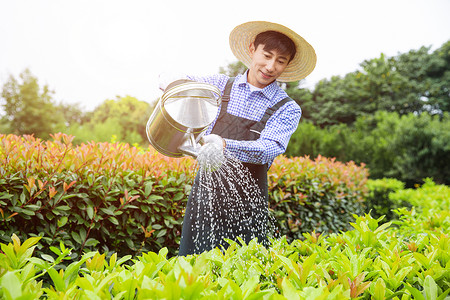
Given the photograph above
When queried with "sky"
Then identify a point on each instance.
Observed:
(88, 51)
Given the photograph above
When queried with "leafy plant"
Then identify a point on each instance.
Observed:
(378, 201)
(316, 195)
(127, 200)
(371, 262)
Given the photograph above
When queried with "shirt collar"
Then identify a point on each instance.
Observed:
(269, 91)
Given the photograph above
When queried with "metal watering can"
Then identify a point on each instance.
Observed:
(181, 116)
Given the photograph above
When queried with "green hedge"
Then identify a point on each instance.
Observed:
(369, 262)
(378, 201)
(409, 147)
(318, 195)
(125, 200)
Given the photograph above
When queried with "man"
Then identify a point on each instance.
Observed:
(254, 124)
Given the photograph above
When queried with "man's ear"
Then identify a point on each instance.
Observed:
(252, 49)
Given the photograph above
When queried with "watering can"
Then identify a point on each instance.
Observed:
(181, 116)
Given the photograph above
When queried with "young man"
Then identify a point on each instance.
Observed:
(254, 124)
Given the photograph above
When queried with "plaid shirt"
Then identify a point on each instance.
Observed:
(252, 105)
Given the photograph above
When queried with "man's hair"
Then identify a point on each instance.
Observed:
(274, 40)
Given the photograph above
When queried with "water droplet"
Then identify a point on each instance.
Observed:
(228, 202)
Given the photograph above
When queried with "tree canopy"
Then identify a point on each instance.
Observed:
(28, 108)
(413, 82)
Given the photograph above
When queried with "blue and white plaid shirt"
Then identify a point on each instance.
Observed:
(252, 105)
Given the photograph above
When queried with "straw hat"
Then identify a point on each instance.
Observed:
(304, 60)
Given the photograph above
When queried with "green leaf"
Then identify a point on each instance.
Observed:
(76, 237)
(112, 260)
(55, 250)
(113, 220)
(415, 292)
(162, 233)
(90, 211)
(4, 195)
(422, 259)
(48, 258)
(155, 197)
(444, 295)
(62, 221)
(379, 289)
(63, 207)
(288, 290)
(91, 242)
(107, 211)
(430, 288)
(28, 243)
(23, 211)
(32, 207)
(249, 286)
(178, 196)
(57, 280)
(123, 259)
(148, 189)
(11, 285)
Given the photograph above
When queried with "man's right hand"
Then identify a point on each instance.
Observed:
(213, 138)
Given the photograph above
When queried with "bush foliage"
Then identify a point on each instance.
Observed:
(119, 198)
(378, 201)
(369, 262)
(409, 147)
(49, 186)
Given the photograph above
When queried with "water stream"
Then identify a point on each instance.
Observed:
(228, 202)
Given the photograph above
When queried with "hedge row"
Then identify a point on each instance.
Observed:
(122, 199)
(369, 262)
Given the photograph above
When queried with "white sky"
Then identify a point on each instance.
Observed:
(89, 51)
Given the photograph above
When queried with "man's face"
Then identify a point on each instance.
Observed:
(266, 66)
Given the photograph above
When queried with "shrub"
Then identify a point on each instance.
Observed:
(124, 200)
(408, 148)
(429, 196)
(379, 203)
(315, 195)
(431, 208)
(94, 195)
(369, 262)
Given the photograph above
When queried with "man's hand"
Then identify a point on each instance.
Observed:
(213, 138)
(210, 155)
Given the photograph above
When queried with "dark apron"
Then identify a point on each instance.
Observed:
(209, 220)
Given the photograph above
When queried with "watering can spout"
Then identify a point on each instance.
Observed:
(190, 145)
(189, 150)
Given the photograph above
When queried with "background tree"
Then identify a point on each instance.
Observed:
(73, 114)
(406, 147)
(428, 77)
(28, 108)
(417, 81)
(233, 69)
(124, 119)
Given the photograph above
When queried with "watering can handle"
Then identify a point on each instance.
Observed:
(190, 85)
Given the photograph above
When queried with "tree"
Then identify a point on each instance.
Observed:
(428, 77)
(337, 100)
(124, 118)
(73, 114)
(29, 109)
(233, 69)
(302, 96)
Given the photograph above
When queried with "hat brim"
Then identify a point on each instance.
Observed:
(304, 60)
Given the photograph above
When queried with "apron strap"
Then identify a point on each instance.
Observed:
(227, 90)
(271, 110)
